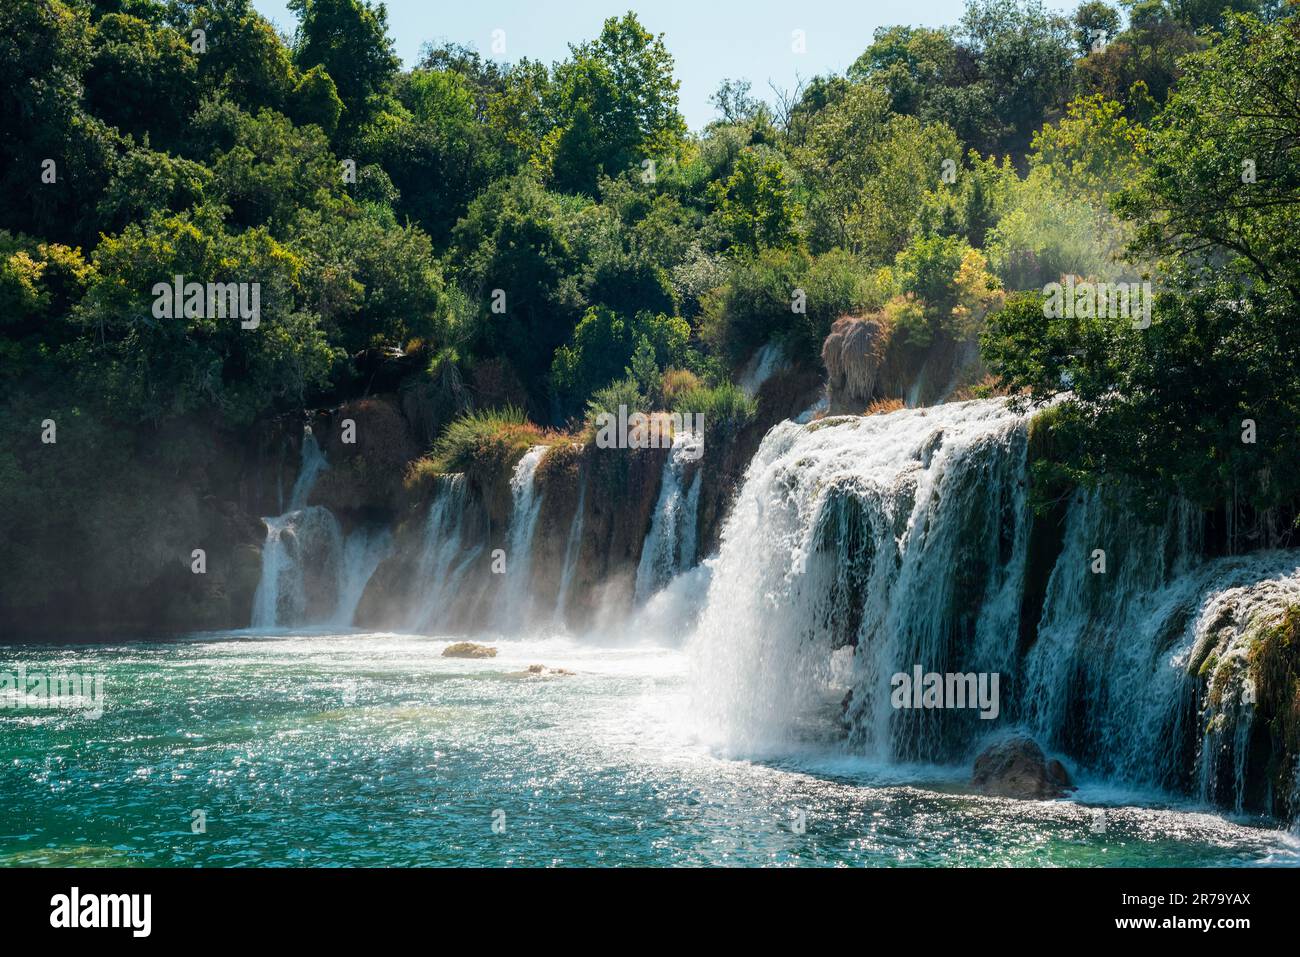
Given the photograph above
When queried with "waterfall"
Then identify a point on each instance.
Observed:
(363, 550)
(571, 549)
(669, 547)
(515, 604)
(862, 547)
(884, 532)
(311, 574)
(313, 463)
(443, 560)
(765, 363)
(302, 565)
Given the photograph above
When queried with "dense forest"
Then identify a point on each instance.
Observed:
(513, 247)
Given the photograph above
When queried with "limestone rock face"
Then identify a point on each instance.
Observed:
(1017, 768)
(368, 445)
(853, 354)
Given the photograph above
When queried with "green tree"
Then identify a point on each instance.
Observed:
(141, 79)
(614, 106)
(1167, 406)
(1096, 23)
(244, 60)
(756, 205)
(349, 40)
(1025, 56)
(144, 367)
(316, 100)
(866, 171)
(44, 48)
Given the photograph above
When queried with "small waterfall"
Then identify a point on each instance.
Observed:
(765, 363)
(311, 575)
(571, 550)
(362, 552)
(669, 547)
(515, 606)
(443, 560)
(313, 463)
(302, 565)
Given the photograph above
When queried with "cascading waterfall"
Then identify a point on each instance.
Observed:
(301, 569)
(571, 549)
(861, 547)
(515, 606)
(311, 574)
(444, 558)
(885, 532)
(669, 547)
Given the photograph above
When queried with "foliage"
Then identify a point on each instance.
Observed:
(791, 297)
(489, 439)
(1202, 403)
(349, 40)
(725, 408)
(945, 289)
(616, 102)
(604, 344)
(555, 233)
(866, 171)
(755, 204)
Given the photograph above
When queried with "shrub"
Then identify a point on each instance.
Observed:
(485, 440)
(675, 382)
(602, 347)
(946, 290)
(623, 391)
(725, 407)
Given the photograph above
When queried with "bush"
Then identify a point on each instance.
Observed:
(946, 290)
(624, 392)
(675, 382)
(485, 440)
(725, 408)
(602, 347)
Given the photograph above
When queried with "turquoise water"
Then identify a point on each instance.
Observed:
(327, 750)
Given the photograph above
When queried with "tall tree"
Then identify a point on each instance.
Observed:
(349, 38)
(614, 105)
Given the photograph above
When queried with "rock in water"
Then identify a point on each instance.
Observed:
(468, 649)
(539, 671)
(1017, 768)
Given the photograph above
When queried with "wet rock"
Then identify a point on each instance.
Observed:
(468, 649)
(540, 671)
(368, 444)
(1017, 768)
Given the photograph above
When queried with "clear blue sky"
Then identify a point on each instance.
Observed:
(709, 39)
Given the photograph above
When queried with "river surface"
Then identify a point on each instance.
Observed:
(359, 749)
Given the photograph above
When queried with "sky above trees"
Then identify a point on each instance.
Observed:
(709, 41)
